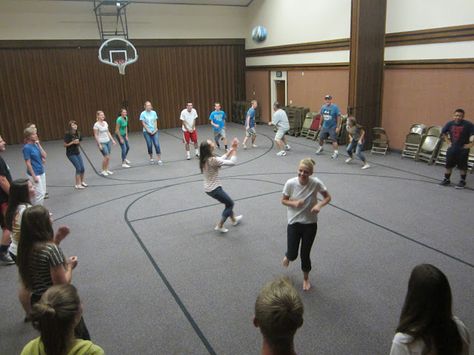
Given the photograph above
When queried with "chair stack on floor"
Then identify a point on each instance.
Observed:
(307, 124)
(296, 117)
(413, 141)
(380, 142)
(430, 145)
(313, 130)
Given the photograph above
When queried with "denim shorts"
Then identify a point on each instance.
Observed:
(106, 148)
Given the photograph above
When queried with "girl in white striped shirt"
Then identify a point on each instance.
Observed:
(210, 165)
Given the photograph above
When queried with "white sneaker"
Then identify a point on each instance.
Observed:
(334, 155)
(127, 161)
(79, 187)
(320, 150)
(348, 160)
(110, 172)
(197, 153)
(160, 163)
(152, 161)
(237, 220)
(254, 146)
(245, 146)
(104, 173)
(221, 229)
(366, 166)
(84, 184)
(188, 156)
(287, 147)
(125, 165)
(281, 153)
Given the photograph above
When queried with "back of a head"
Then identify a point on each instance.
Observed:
(19, 193)
(279, 313)
(427, 311)
(55, 316)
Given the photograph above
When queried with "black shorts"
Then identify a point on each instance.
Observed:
(457, 157)
(3, 212)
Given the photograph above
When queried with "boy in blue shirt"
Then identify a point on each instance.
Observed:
(217, 119)
(250, 125)
(330, 125)
(34, 155)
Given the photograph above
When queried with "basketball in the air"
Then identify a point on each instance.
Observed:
(259, 34)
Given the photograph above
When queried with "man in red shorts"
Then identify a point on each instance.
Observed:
(188, 120)
(5, 180)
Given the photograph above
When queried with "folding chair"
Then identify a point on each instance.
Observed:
(429, 148)
(307, 124)
(380, 141)
(441, 157)
(470, 161)
(314, 129)
(413, 141)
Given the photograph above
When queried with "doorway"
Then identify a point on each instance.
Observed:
(280, 86)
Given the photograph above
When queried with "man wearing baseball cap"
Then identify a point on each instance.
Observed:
(330, 126)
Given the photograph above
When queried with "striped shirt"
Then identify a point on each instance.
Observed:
(47, 256)
(211, 171)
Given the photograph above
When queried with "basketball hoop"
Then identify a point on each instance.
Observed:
(118, 52)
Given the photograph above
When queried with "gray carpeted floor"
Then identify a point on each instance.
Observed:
(156, 279)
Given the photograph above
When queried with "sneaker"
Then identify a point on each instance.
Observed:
(237, 220)
(281, 153)
(197, 153)
(445, 182)
(127, 161)
(152, 161)
(366, 166)
(287, 147)
(245, 146)
(46, 196)
(254, 146)
(104, 173)
(160, 163)
(6, 259)
(84, 184)
(460, 185)
(320, 150)
(125, 165)
(79, 187)
(334, 155)
(188, 156)
(348, 160)
(221, 229)
(110, 172)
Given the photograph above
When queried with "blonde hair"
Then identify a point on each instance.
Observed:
(308, 163)
(29, 131)
(279, 313)
(97, 114)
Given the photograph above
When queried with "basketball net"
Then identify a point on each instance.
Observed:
(121, 64)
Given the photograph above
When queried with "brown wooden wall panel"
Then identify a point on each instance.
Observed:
(258, 88)
(50, 86)
(426, 96)
(308, 90)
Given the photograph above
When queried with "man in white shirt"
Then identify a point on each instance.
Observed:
(188, 119)
(280, 120)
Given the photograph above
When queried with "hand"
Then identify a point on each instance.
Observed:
(359, 141)
(247, 127)
(62, 233)
(121, 140)
(75, 141)
(37, 179)
(467, 146)
(269, 123)
(235, 143)
(299, 203)
(114, 142)
(72, 261)
(337, 130)
(100, 147)
(316, 209)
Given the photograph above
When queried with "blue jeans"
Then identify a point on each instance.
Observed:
(106, 148)
(125, 146)
(358, 149)
(152, 140)
(220, 195)
(76, 160)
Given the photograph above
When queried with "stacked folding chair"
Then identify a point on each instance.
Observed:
(313, 131)
(441, 156)
(430, 144)
(413, 141)
(380, 141)
(470, 161)
(307, 124)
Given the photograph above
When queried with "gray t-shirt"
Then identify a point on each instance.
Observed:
(280, 119)
(295, 191)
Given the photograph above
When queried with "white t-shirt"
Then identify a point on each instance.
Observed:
(295, 191)
(280, 119)
(188, 119)
(103, 131)
(403, 344)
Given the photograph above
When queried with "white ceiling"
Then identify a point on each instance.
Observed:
(242, 3)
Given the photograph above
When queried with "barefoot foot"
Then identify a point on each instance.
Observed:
(306, 285)
(285, 262)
